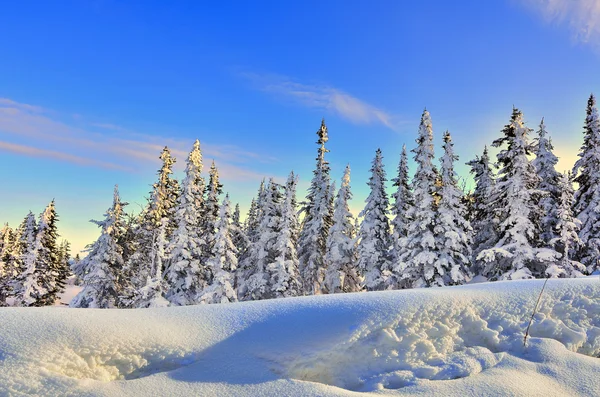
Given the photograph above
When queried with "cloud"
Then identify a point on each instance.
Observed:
(582, 16)
(322, 97)
(37, 132)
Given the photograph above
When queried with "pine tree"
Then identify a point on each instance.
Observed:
(53, 274)
(452, 230)
(161, 207)
(587, 197)
(284, 278)
(403, 202)
(318, 212)
(238, 235)
(209, 218)
(374, 235)
(152, 293)
(100, 270)
(566, 229)
(254, 281)
(418, 249)
(342, 274)
(185, 274)
(483, 218)
(6, 273)
(544, 164)
(516, 255)
(29, 288)
(223, 261)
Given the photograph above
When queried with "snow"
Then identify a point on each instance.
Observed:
(456, 341)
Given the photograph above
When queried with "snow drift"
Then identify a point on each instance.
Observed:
(452, 341)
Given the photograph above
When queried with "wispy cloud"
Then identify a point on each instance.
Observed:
(322, 97)
(37, 132)
(582, 16)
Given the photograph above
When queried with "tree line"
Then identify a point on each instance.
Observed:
(522, 220)
(34, 265)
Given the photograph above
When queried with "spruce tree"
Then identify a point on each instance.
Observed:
(161, 207)
(29, 286)
(284, 278)
(549, 178)
(374, 235)
(566, 228)
(517, 254)
(209, 218)
(452, 230)
(587, 196)
(100, 270)
(418, 248)
(318, 212)
(238, 234)
(185, 273)
(342, 273)
(223, 261)
(53, 273)
(483, 217)
(6, 273)
(403, 202)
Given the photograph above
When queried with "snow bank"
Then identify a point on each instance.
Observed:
(450, 341)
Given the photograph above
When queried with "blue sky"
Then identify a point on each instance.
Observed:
(91, 91)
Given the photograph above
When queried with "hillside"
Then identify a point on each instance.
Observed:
(457, 341)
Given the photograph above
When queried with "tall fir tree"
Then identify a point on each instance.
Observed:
(374, 236)
(452, 230)
(238, 234)
(223, 261)
(209, 218)
(6, 273)
(403, 202)
(483, 216)
(517, 254)
(544, 163)
(185, 273)
(100, 270)
(29, 286)
(318, 213)
(160, 209)
(53, 273)
(342, 272)
(284, 277)
(566, 228)
(418, 248)
(587, 196)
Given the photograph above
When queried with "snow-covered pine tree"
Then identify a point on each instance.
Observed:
(483, 218)
(374, 244)
(185, 273)
(238, 235)
(222, 262)
(403, 202)
(29, 287)
(161, 206)
(13, 259)
(53, 273)
(566, 229)
(544, 164)
(342, 273)
(418, 248)
(284, 277)
(209, 218)
(254, 280)
(587, 197)
(318, 213)
(452, 230)
(152, 293)
(516, 255)
(100, 270)
(6, 274)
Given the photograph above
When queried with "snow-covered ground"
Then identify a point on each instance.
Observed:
(458, 341)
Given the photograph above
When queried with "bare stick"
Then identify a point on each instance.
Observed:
(534, 311)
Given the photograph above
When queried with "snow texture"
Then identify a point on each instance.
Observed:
(458, 341)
